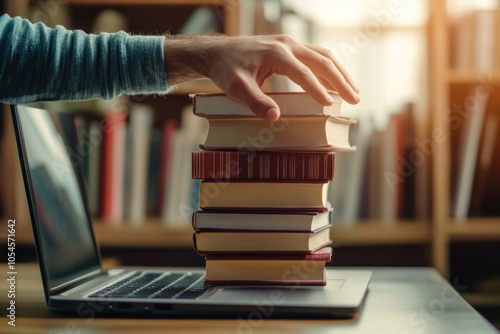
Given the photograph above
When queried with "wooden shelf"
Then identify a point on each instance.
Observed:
(473, 76)
(382, 233)
(474, 229)
(152, 234)
(147, 2)
(155, 234)
(482, 299)
(196, 86)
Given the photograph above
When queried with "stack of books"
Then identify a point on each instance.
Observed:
(264, 215)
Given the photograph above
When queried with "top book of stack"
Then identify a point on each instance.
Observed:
(290, 105)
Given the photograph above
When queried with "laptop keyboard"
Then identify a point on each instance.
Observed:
(157, 285)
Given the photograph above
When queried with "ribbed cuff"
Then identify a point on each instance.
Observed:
(146, 65)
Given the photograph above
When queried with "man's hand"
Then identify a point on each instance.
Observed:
(239, 66)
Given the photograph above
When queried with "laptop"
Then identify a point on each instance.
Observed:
(70, 264)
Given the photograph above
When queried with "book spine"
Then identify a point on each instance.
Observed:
(112, 174)
(218, 165)
(169, 132)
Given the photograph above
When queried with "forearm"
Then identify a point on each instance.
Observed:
(42, 64)
(187, 57)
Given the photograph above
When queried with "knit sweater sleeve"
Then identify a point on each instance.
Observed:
(38, 63)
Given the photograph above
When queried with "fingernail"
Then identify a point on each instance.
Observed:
(356, 97)
(355, 88)
(272, 114)
(329, 98)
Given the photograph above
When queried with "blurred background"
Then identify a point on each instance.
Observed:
(422, 189)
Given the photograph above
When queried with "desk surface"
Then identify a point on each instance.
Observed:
(400, 300)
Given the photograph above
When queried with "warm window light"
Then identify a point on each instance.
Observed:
(381, 43)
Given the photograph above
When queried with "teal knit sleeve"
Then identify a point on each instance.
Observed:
(38, 63)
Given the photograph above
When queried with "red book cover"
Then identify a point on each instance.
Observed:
(113, 125)
(168, 134)
(231, 273)
(249, 165)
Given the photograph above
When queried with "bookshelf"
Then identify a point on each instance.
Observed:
(445, 83)
(438, 232)
(474, 229)
(455, 76)
(154, 234)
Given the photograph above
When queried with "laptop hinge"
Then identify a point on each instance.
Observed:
(77, 281)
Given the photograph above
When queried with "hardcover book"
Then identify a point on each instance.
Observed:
(288, 196)
(268, 269)
(249, 165)
(299, 134)
(261, 242)
(261, 221)
(290, 104)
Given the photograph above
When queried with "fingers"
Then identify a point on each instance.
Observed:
(327, 85)
(302, 75)
(246, 90)
(326, 53)
(325, 68)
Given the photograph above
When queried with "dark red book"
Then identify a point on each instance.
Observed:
(113, 162)
(250, 165)
(169, 131)
(268, 268)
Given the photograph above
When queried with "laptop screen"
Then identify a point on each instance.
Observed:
(66, 245)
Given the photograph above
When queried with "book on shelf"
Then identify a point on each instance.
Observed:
(93, 168)
(90, 137)
(154, 173)
(485, 189)
(167, 146)
(378, 181)
(308, 134)
(261, 221)
(267, 268)
(249, 165)
(139, 131)
(290, 104)
(177, 207)
(261, 241)
(484, 163)
(346, 193)
(475, 41)
(386, 174)
(291, 196)
(466, 157)
(113, 163)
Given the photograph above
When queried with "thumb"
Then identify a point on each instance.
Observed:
(261, 104)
